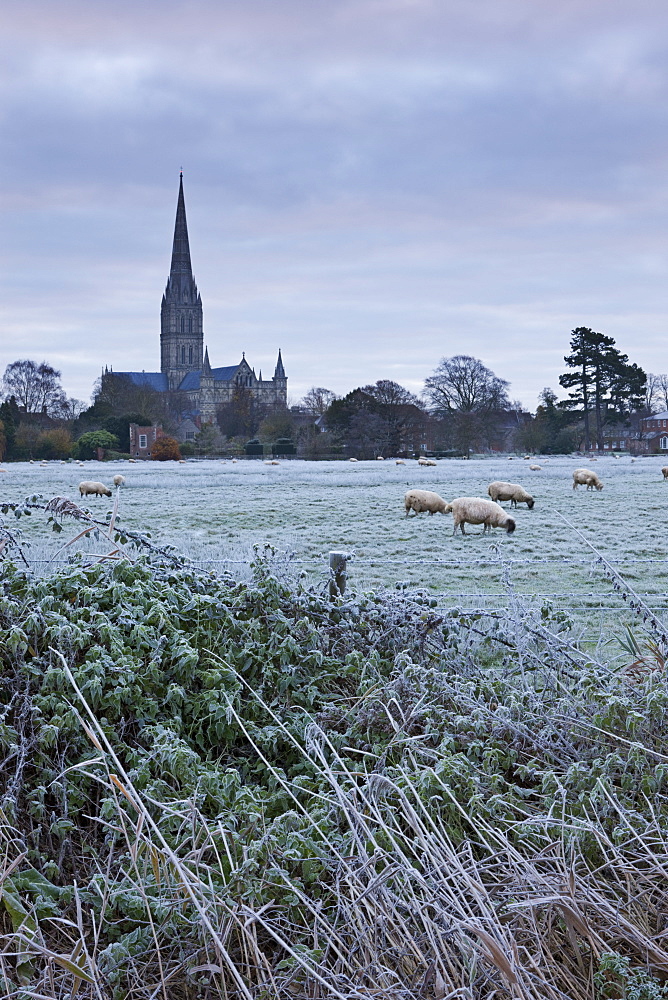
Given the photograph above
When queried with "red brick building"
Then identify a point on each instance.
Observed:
(142, 438)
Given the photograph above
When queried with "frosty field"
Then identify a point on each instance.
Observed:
(215, 511)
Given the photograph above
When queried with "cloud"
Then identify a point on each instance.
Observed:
(370, 185)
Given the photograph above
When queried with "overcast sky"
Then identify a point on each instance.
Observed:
(371, 185)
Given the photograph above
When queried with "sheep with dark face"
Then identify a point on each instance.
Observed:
(88, 488)
(424, 500)
(510, 491)
(475, 510)
(585, 477)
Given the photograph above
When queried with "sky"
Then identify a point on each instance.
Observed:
(371, 185)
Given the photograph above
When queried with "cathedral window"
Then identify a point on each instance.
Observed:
(190, 324)
(183, 355)
(183, 324)
(190, 350)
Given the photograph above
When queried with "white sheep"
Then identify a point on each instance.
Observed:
(585, 477)
(379, 458)
(475, 510)
(352, 459)
(426, 461)
(97, 489)
(664, 470)
(510, 491)
(399, 461)
(424, 500)
(535, 468)
(119, 480)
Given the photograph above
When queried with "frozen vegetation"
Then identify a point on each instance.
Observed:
(233, 785)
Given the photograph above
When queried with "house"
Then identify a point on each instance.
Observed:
(142, 438)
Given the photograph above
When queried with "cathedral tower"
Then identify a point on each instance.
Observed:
(181, 324)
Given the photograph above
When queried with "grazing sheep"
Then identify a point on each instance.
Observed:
(399, 461)
(379, 458)
(425, 461)
(664, 470)
(527, 458)
(352, 459)
(475, 510)
(585, 477)
(119, 480)
(535, 468)
(97, 489)
(424, 500)
(510, 491)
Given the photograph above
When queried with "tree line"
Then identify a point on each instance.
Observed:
(464, 407)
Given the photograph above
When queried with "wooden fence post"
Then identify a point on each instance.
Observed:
(337, 573)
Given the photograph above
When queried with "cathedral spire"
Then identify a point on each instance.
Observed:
(181, 321)
(181, 247)
(280, 370)
(206, 367)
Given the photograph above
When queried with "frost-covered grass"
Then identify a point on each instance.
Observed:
(217, 511)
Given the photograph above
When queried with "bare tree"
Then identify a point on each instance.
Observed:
(469, 397)
(36, 388)
(463, 384)
(403, 412)
(317, 400)
(656, 392)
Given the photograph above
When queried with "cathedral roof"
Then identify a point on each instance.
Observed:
(190, 382)
(154, 380)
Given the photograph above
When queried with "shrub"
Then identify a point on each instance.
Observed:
(55, 443)
(91, 443)
(165, 449)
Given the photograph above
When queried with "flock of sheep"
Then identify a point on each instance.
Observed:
(464, 510)
(489, 513)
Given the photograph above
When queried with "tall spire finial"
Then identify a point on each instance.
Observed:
(181, 247)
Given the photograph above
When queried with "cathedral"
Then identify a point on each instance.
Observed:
(197, 390)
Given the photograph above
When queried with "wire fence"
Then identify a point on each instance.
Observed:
(573, 601)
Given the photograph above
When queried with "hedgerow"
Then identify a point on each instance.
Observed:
(251, 789)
